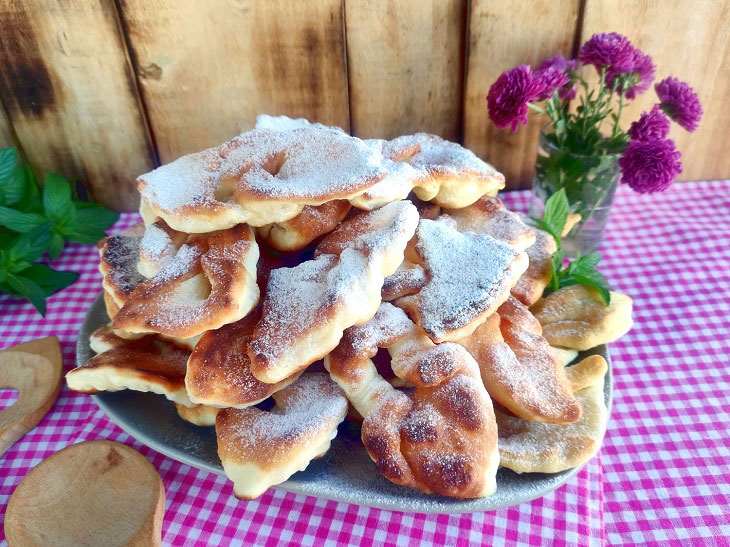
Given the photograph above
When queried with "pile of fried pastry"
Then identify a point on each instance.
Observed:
(295, 276)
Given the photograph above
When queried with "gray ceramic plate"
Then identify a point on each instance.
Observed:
(345, 473)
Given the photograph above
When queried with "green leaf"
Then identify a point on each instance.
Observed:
(31, 245)
(544, 226)
(90, 224)
(31, 198)
(556, 213)
(14, 185)
(48, 279)
(30, 290)
(55, 248)
(585, 263)
(19, 221)
(57, 199)
(8, 160)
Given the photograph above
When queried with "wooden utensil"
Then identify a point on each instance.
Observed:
(34, 370)
(90, 493)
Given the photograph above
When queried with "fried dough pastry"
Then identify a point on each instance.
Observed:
(488, 215)
(202, 415)
(452, 176)
(261, 177)
(210, 282)
(576, 317)
(440, 437)
(533, 447)
(158, 247)
(469, 276)
(307, 307)
(518, 367)
(219, 369)
(146, 364)
(259, 449)
(118, 255)
(530, 286)
(300, 231)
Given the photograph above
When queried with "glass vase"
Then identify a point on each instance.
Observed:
(590, 184)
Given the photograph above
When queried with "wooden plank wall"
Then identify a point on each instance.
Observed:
(103, 90)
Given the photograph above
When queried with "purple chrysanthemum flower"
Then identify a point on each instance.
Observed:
(641, 75)
(680, 102)
(508, 97)
(650, 166)
(608, 50)
(558, 62)
(651, 126)
(550, 79)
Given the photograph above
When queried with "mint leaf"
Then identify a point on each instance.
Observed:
(30, 290)
(8, 160)
(556, 213)
(586, 263)
(19, 221)
(89, 224)
(31, 245)
(14, 185)
(57, 199)
(55, 248)
(48, 279)
(545, 227)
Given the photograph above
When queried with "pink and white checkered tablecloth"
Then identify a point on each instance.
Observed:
(662, 476)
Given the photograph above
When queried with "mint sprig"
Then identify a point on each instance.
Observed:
(583, 269)
(35, 221)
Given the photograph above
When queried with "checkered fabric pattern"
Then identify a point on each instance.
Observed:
(661, 478)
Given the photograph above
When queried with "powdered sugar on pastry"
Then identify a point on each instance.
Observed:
(519, 369)
(453, 175)
(306, 308)
(260, 177)
(469, 274)
(210, 282)
(259, 449)
(440, 437)
(158, 247)
(488, 215)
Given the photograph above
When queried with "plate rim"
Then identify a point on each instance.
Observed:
(441, 505)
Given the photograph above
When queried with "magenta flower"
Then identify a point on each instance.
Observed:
(553, 73)
(680, 102)
(651, 126)
(508, 97)
(650, 166)
(608, 50)
(641, 75)
(550, 79)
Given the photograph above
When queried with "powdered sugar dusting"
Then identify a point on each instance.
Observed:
(311, 404)
(468, 274)
(304, 164)
(437, 154)
(285, 123)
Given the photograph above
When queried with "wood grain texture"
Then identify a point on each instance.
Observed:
(502, 35)
(70, 93)
(207, 69)
(689, 40)
(6, 130)
(405, 61)
(90, 493)
(34, 370)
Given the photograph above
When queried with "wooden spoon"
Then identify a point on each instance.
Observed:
(34, 370)
(90, 493)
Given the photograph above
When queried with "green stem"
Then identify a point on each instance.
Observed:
(536, 108)
(584, 221)
(616, 126)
